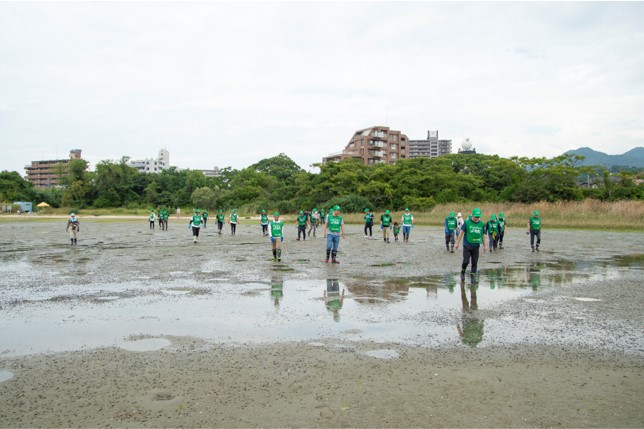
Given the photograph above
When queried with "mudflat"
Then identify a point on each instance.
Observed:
(143, 328)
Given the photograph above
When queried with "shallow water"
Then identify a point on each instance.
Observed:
(124, 280)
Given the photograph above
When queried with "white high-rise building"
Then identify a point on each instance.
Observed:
(151, 165)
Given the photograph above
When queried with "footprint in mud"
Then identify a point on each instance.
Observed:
(163, 396)
(326, 412)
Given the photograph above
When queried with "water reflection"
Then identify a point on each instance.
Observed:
(470, 327)
(333, 298)
(277, 290)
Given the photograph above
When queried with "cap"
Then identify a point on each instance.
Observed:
(386, 211)
(336, 208)
(366, 210)
(301, 212)
(314, 209)
(451, 214)
(493, 216)
(407, 209)
(459, 214)
(476, 212)
(263, 211)
(196, 210)
(73, 214)
(536, 212)
(276, 214)
(501, 215)
(234, 210)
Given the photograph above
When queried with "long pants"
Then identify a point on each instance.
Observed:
(493, 240)
(406, 231)
(73, 235)
(332, 244)
(368, 227)
(449, 239)
(385, 233)
(470, 252)
(534, 234)
(301, 230)
(220, 226)
(501, 234)
(195, 232)
(233, 228)
(264, 229)
(205, 220)
(151, 224)
(313, 227)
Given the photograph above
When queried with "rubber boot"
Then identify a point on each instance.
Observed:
(462, 274)
(279, 255)
(71, 241)
(76, 242)
(537, 247)
(452, 251)
(532, 249)
(274, 254)
(333, 260)
(328, 252)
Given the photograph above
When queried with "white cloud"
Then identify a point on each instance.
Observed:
(230, 83)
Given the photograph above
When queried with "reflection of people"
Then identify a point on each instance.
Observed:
(333, 298)
(533, 277)
(73, 226)
(471, 332)
(277, 290)
(450, 282)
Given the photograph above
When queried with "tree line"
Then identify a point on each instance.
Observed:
(279, 183)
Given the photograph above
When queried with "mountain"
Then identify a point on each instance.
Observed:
(632, 158)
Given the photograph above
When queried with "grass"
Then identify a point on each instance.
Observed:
(588, 214)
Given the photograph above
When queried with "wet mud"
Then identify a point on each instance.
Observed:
(216, 333)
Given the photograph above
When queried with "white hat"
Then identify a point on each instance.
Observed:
(73, 214)
(459, 214)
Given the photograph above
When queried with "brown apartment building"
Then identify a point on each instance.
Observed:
(373, 146)
(44, 174)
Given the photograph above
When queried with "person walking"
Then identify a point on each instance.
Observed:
(276, 230)
(233, 222)
(451, 223)
(301, 221)
(501, 229)
(195, 223)
(368, 223)
(314, 218)
(472, 236)
(151, 219)
(221, 217)
(204, 216)
(322, 216)
(396, 230)
(73, 226)
(160, 217)
(263, 222)
(534, 229)
(407, 224)
(166, 215)
(385, 225)
(492, 231)
(333, 230)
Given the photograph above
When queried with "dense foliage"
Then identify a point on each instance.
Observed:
(279, 183)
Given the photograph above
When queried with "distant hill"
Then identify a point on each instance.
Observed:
(632, 158)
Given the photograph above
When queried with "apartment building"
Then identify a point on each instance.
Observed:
(45, 174)
(374, 145)
(432, 147)
(151, 165)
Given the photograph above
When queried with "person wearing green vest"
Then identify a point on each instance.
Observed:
(492, 231)
(221, 217)
(501, 229)
(301, 222)
(332, 231)
(233, 222)
(151, 219)
(160, 217)
(204, 216)
(534, 229)
(450, 231)
(314, 218)
(276, 230)
(165, 219)
(407, 224)
(322, 216)
(368, 223)
(396, 231)
(472, 235)
(385, 225)
(263, 221)
(195, 224)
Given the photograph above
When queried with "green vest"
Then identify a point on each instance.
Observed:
(205, 214)
(535, 223)
(386, 220)
(451, 223)
(322, 214)
(196, 220)
(264, 218)
(220, 217)
(396, 230)
(276, 228)
(474, 232)
(301, 220)
(233, 218)
(334, 223)
(407, 219)
(501, 224)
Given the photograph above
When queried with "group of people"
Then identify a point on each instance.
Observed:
(200, 219)
(162, 216)
(388, 226)
(494, 229)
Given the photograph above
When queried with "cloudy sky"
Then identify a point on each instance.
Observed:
(229, 84)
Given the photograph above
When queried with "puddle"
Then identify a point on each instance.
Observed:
(383, 354)
(586, 299)
(5, 376)
(146, 345)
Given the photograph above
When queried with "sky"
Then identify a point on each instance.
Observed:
(230, 83)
